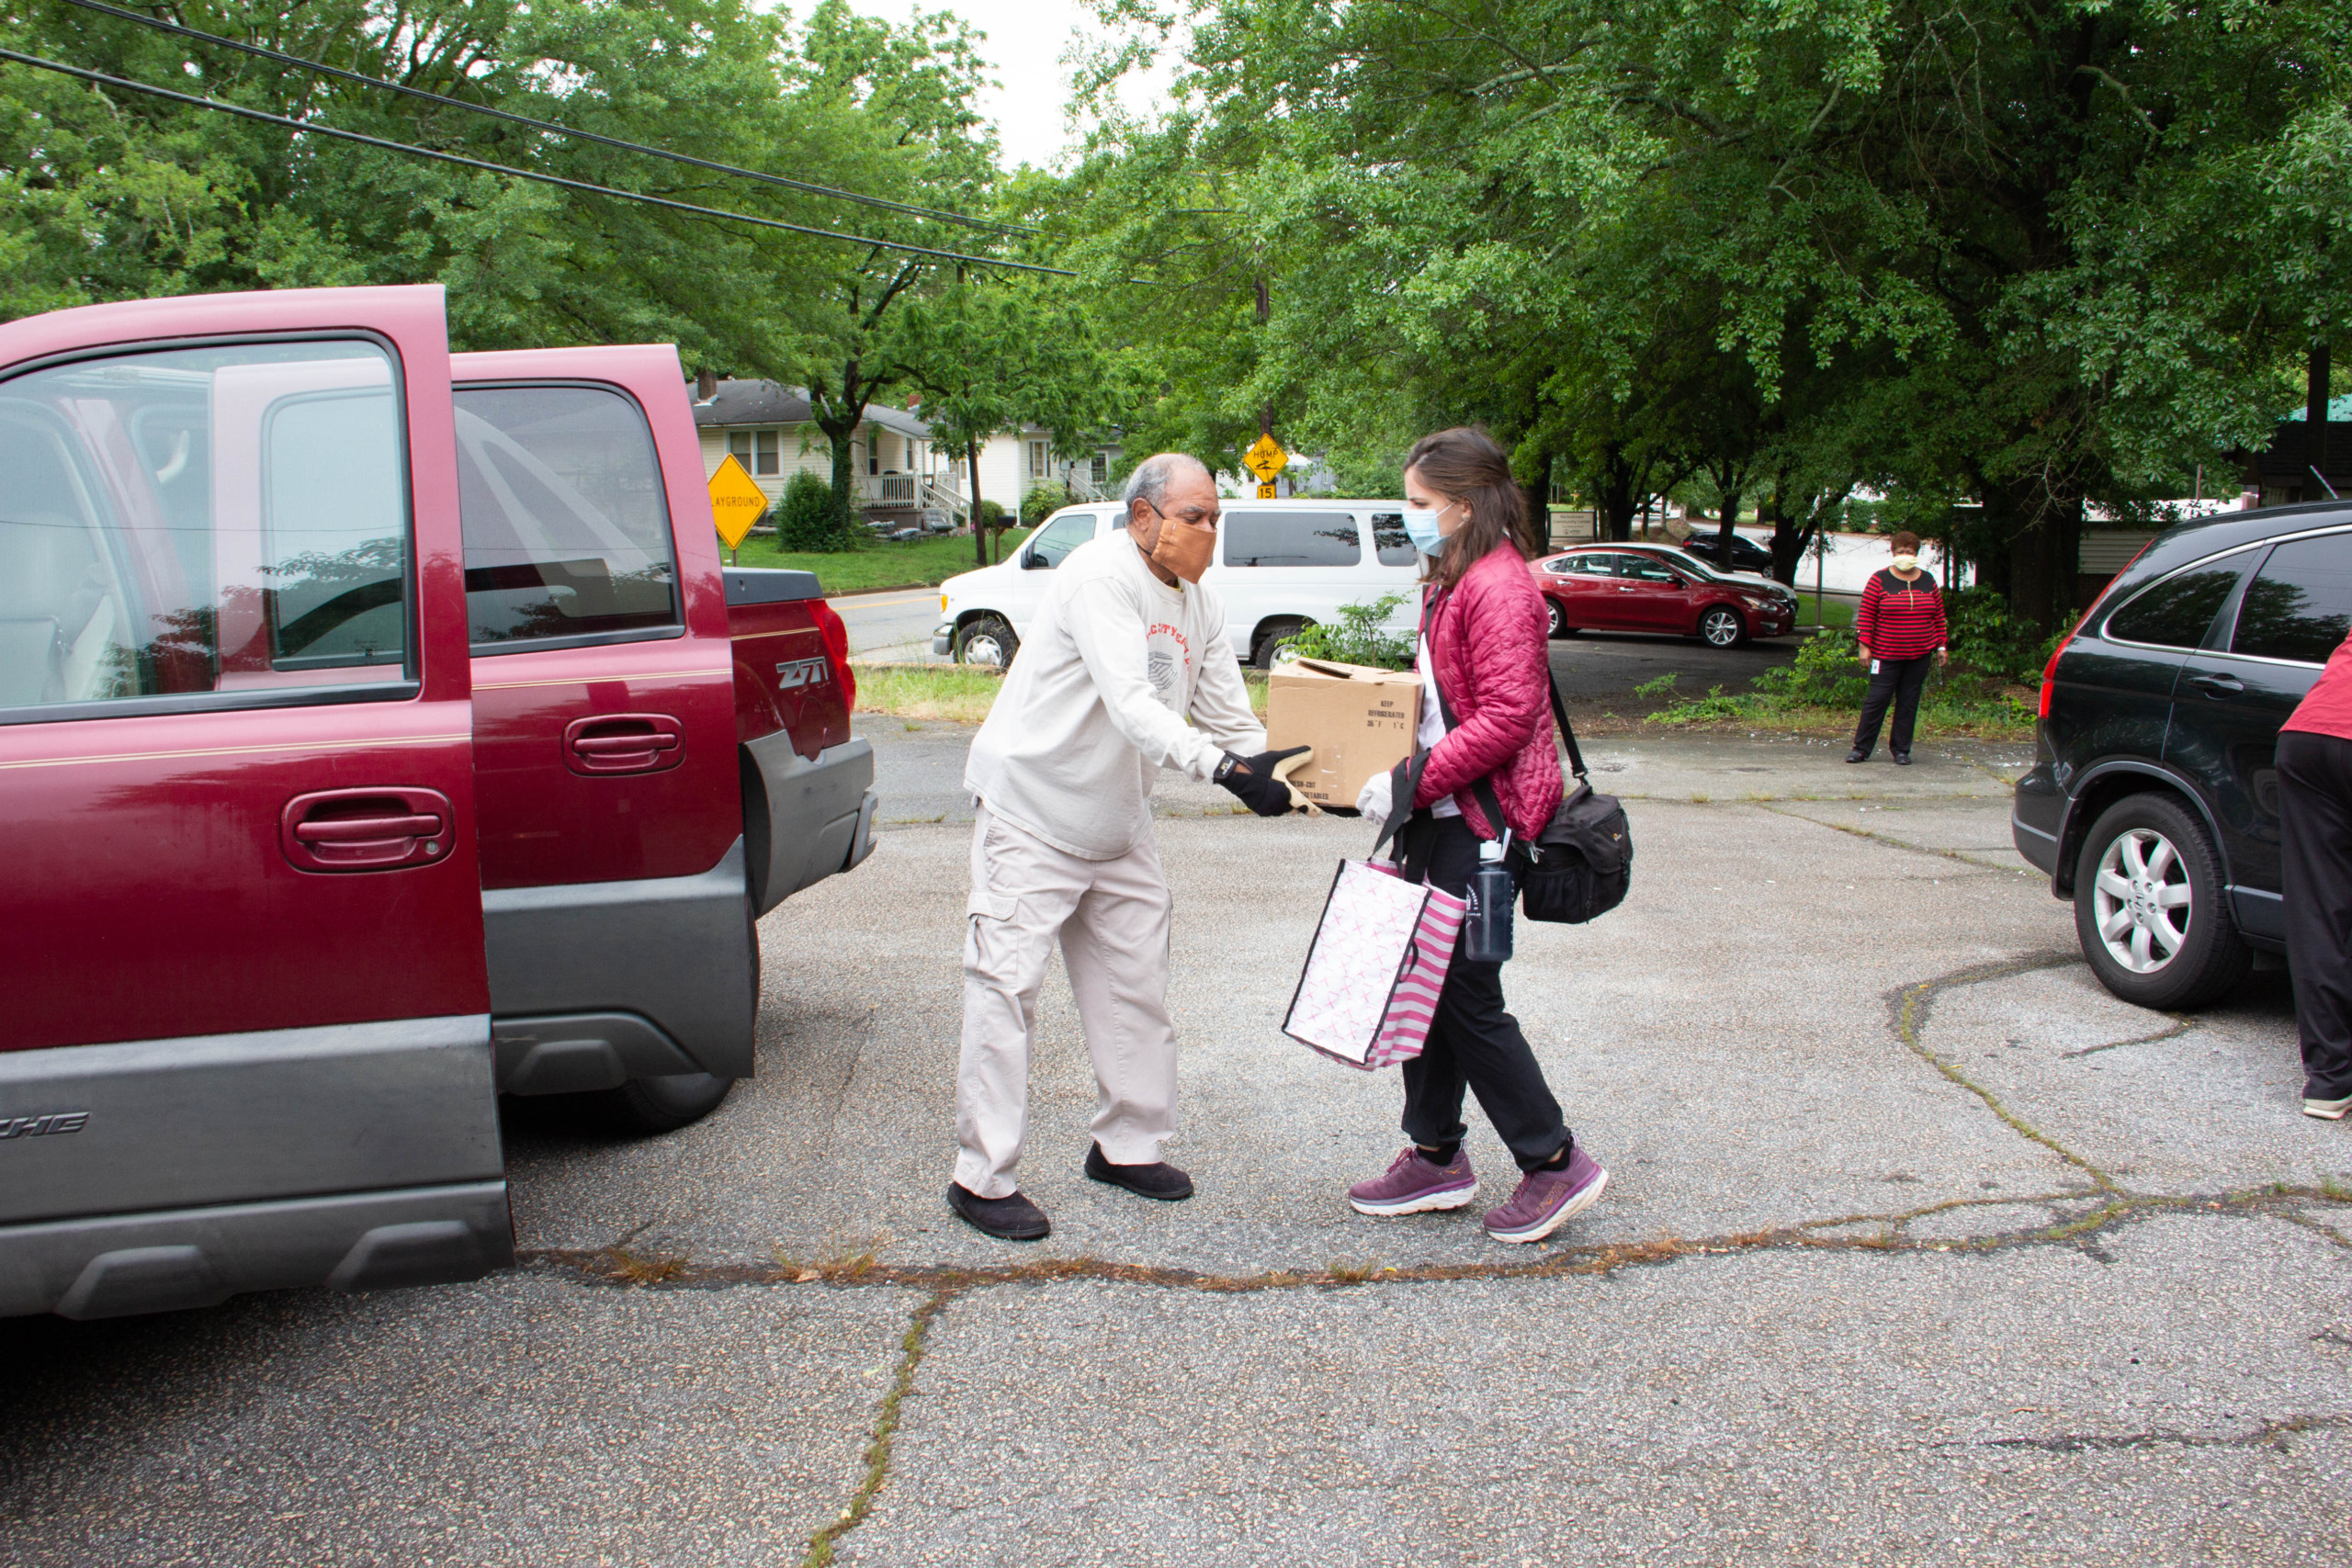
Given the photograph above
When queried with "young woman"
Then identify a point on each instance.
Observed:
(1483, 647)
(1900, 627)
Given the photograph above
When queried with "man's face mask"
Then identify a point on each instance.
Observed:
(1184, 548)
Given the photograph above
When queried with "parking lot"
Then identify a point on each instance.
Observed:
(1918, 1249)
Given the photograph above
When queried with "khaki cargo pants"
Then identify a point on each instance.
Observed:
(1111, 918)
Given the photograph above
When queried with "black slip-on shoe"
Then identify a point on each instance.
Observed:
(1160, 1181)
(1902, 759)
(1857, 755)
(1009, 1218)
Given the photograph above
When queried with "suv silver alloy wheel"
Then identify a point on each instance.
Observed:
(2141, 900)
(1720, 627)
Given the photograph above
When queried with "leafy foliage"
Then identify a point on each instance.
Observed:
(1359, 635)
(1041, 502)
(807, 519)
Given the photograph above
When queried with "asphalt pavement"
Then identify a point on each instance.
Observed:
(1918, 1249)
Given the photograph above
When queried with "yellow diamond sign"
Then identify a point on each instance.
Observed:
(1266, 458)
(736, 501)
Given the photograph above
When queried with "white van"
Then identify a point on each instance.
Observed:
(1280, 565)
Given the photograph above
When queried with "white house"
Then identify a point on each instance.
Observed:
(900, 476)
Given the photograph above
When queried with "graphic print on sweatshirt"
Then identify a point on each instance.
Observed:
(1168, 657)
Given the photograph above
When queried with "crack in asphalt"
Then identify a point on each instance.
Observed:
(2271, 1434)
(879, 1442)
(1892, 842)
(2181, 1024)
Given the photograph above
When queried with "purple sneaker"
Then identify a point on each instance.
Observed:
(1547, 1199)
(1413, 1184)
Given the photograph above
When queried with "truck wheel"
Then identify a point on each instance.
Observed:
(661, 1105)
(987, 641)
(2149, 906)
(1270, 638)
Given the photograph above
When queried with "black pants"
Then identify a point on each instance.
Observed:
(1473, 1044)
(1900, 682)
(2315, 858)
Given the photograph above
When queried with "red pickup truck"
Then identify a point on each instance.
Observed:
(380, 733)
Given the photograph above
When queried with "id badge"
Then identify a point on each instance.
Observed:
(1874, 666)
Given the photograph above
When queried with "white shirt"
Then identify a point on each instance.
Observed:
(1432, 729)
(1097, 699)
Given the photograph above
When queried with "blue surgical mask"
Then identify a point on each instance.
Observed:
(1420, 526)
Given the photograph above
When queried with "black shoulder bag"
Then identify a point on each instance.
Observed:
(1581, 864)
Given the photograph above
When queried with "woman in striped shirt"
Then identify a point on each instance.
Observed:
(1900, 626)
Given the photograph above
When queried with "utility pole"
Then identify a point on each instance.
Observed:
(2316, 420)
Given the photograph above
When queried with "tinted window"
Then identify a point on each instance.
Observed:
(242, 523)
(1391, 545)
(2300, 605)
(567, 529)
(1057, 539)
(1649, 569)
(1291, 538)
(2178, 612)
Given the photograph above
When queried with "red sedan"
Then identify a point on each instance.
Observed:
(1649, 588)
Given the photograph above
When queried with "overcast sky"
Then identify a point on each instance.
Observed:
(1026, 41)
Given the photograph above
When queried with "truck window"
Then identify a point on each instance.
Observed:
(1390, 543)
(202, 520)
(2299, 605)
(1057, 539)
(567, 527)
(2178, 612)
(1291, 538)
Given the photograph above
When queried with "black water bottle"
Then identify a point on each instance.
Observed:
(1485, 927)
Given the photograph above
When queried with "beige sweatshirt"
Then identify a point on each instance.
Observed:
(1096, 699)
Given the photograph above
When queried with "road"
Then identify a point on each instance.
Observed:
(1918, 1249)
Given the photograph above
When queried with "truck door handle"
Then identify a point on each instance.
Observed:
(624, 743)
(2220, 686)
(364, 829)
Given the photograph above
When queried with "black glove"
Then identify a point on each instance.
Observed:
(1252, 781)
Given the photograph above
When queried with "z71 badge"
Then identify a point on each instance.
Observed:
(800, 673)
(57, 1123)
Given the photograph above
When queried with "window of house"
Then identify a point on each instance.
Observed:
(770, 446)
(739, 446)
(1291, 538)
(2178, 612)
(1100, 472)
(566, 525)
(1040, 460)
(2299, 605)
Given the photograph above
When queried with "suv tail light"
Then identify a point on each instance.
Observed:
(837, 648)
(2050, 670)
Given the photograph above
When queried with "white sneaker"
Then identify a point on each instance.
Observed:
(2327, 1110)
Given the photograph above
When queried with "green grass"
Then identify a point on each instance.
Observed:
(1834, 613)
(877, 563)
(958, 694)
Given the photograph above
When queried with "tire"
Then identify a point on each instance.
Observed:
(988, 641)
(1271, 636)
(2149, 906)
(1723, 626)
(1556, 620)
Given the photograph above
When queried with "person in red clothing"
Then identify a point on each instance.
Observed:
(1485, 647)
(1900, 628)
(2315, 762)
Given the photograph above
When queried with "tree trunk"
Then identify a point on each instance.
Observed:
(2043, 544)
(844, 478)
(1726, 529)
(1538, 493)
(979, 524)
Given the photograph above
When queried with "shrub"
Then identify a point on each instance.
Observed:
(992, 514)
(806, 518)
(1358, 636)
(1041, 502)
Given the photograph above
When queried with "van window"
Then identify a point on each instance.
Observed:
(567, 527)
(1291, 538)
(1391, 544)
(2299, 605)
(2178, 612)
(247, 530)
(1057, 539)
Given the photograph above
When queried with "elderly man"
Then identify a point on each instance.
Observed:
(1127, 647)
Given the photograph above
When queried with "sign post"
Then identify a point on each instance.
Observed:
(736, 502)
(1265, 458)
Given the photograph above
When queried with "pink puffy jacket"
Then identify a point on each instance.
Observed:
(1491, 653)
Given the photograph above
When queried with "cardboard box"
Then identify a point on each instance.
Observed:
(1360, 720)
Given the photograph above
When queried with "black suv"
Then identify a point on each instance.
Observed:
(2153, 801)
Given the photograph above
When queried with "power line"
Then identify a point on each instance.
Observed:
(309, 127)
(551, 127)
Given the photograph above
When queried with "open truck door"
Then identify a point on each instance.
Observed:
(246, 1039)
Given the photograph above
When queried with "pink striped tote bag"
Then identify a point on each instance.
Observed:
(1368, 991)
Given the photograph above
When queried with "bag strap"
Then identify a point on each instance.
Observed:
(1401, 793)
(1483, 789)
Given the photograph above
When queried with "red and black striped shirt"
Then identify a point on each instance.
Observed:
(1899, 619)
